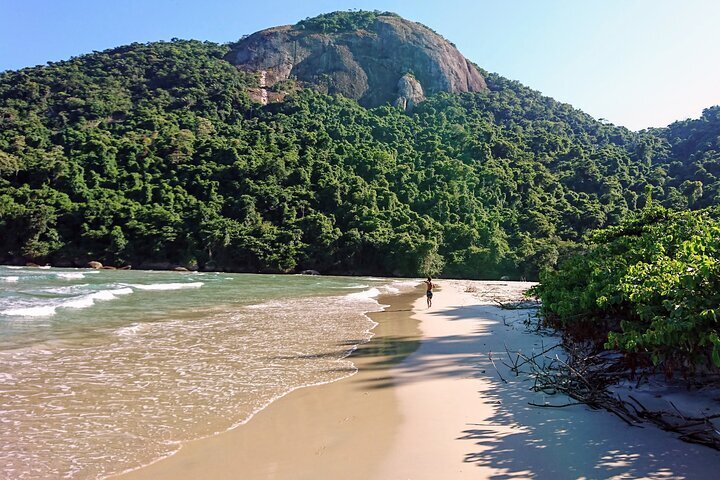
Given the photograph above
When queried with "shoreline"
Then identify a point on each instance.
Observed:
(215, 358)
(435, 397)
(244, 272)
(337, 417)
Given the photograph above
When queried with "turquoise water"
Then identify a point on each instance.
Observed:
(105, 371)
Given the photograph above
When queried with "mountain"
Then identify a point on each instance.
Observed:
(371, 57)
(160, 154)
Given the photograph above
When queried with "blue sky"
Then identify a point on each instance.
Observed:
(637, 63)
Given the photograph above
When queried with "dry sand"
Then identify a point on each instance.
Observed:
(436, 409)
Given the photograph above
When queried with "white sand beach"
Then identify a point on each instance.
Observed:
(429, 404)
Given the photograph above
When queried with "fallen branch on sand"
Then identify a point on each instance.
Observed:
(555, 406)
(517, 305)
(585, 378)
(496, 369)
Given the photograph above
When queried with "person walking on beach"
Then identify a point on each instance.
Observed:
(429, 293)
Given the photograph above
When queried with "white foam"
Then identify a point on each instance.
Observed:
(10, 279)
(129, 330)
(80, 302)
(406, 283)
(70, 289)
(264, 305)
(88, 300)
(391, 288)
(13, 267)
(45, 267)
(168, 286)
(121, 291)
(44, 311)
(400, 286)
(71, 275)
(364, 295)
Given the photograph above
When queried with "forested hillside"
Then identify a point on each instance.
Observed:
(153, 155)
(692, 165)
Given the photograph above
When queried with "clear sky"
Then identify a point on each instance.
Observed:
(637, 63)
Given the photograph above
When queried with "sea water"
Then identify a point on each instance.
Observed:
(105, 371)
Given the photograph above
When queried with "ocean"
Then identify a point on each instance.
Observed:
(103, 371)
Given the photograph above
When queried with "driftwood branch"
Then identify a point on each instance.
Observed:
(496, 369)
(517, 305)
(585, 378)
(548, 405)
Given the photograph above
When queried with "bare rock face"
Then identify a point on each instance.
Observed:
(410, 92)
(370, 64)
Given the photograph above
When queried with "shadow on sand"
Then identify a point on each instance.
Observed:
(513, 437)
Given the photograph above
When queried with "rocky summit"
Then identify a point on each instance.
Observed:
(372, 57)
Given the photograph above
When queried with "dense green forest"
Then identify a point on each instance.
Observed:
(153, 155)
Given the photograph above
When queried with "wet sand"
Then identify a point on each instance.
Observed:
(435, 400)
(337, 430)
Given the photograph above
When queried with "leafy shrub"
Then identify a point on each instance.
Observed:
(659, 275)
